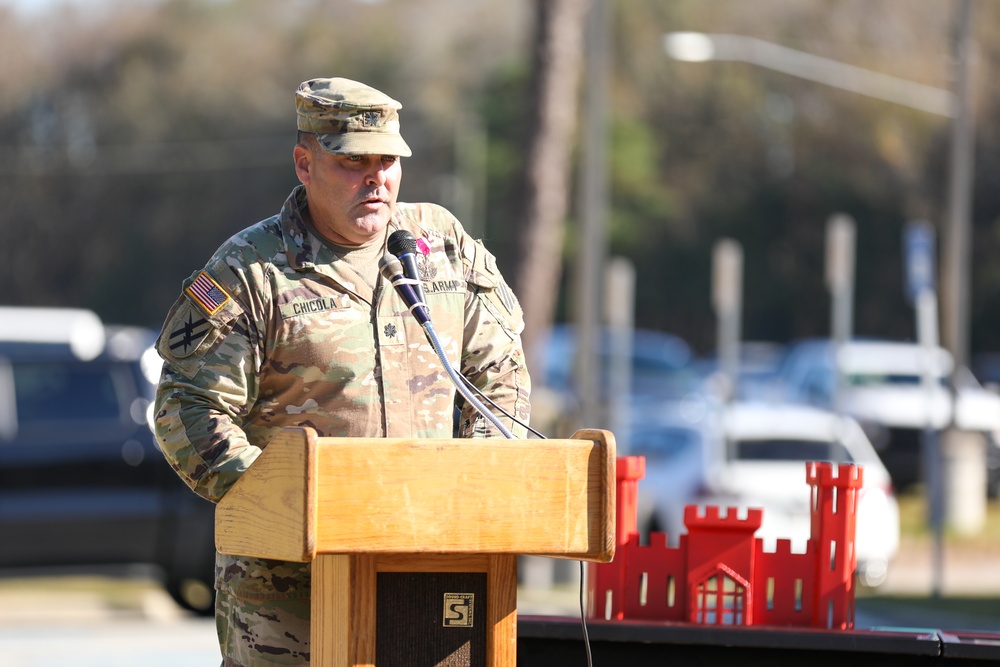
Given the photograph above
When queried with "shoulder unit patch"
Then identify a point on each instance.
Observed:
(187, 333)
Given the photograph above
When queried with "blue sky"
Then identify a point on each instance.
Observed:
(39, 6)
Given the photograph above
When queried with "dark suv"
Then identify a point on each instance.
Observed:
(82, 481)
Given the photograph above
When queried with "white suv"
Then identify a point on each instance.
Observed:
(766, 448)
(882, 388)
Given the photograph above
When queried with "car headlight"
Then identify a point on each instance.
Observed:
(151, 365)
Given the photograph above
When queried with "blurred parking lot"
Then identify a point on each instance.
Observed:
(125, 614)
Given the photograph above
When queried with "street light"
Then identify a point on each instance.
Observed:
(701, 47)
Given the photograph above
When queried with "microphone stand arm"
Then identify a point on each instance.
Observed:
(460, 385)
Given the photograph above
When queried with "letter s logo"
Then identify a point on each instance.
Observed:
(458, 610)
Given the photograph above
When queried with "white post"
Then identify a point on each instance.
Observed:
(619, 304)
(727, 299)
(840, 251)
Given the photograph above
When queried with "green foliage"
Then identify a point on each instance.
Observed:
(505, 116)
(641, 201)
(135, 142)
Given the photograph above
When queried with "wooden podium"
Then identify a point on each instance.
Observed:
(407, 536)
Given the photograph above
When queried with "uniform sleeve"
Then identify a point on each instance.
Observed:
(207, 387)
(492, 356)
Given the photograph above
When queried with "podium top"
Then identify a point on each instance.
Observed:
(306, 495)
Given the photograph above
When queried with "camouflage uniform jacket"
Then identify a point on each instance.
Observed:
(276, 331)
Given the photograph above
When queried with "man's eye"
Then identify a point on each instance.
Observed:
(389, 158)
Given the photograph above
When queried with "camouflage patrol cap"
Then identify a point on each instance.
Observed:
(350, 118)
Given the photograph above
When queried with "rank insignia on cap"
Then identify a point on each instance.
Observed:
(207, 293)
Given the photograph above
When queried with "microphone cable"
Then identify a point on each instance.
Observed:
(583, 613)
(468, 383)
(418, 308)
(462, 387)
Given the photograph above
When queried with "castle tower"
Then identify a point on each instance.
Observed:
(606, 581)
(833, 509)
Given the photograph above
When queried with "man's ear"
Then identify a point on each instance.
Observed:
(302, 157)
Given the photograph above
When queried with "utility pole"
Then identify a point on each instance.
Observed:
(957, 259)
(963, 451)
(593, 208)
(840, 251)
(727, 299)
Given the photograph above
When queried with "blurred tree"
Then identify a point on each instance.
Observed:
(558, 61)
(134, 141)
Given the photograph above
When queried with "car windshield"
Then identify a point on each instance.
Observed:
(54, 392)
(788, 450)
(658, 363)
(879, 379)
(665, 443)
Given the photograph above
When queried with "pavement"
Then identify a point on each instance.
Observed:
(964, 572)
(57, 600)
(104, 621)
(48, 627)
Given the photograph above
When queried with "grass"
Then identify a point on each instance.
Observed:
(980, 607)
(914, 525)
(916, 534)
(121, 593)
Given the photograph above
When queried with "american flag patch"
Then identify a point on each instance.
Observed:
(506, 296)
(207, 293)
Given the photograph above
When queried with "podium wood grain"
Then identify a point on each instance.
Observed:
(306, 495)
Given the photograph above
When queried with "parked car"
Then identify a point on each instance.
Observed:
(682, 444)
(881, 385)
(986, 368)
(658, 368)
(656, 357)
(766, 447)
(757, 375)
(82, 481)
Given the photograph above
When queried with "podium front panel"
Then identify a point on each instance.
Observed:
(431, 618)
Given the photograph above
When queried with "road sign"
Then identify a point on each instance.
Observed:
(918, 245)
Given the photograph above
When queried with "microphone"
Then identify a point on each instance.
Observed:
(402, 244)
(392, 269)
(406, 288)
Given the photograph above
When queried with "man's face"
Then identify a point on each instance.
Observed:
(351, 197)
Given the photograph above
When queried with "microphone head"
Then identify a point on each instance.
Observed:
(401, 242)
(390, 267)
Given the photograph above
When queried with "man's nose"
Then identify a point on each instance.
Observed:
(376, 172)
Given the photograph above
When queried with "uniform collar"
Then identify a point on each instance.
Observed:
(302, 247)
(305, 251)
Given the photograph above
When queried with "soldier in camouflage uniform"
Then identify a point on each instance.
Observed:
(290, 324)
